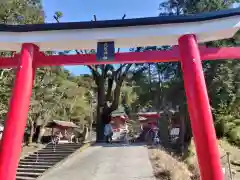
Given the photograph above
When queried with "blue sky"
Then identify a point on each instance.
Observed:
(83, 10)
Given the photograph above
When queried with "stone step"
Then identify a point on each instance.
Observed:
(50, 155)
(48, 163)
(66, 144)
(31, 170)
(60, 146)
(25, 178)
(29, 174)
(59, 149)
(55, 152)
(37, 166)
(44, 157)
(39, 160)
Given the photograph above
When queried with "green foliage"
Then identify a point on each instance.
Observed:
(56, 93)
(194, 6)
(156, 86)
(21, 12)
(15, 12)
(58, 15)
(6, 80)
(234, 135)
(222, 77)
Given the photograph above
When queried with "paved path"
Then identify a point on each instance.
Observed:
(105, 162)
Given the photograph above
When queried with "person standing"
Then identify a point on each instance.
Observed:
(108, 132)
(126, 131)
(156, 139)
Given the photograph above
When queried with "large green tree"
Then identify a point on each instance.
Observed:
(15, 12)
(109, 80)
(21, 12)
(56, 93)
(164, 80)
(222, 77)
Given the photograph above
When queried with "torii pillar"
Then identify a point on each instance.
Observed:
(200, 110)
(18, 112)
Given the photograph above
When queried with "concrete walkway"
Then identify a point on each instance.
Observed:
(105, 162)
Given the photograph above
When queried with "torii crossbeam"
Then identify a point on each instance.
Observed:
(173, 55)
(184, 31)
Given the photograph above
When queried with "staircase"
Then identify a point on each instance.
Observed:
(34, 165)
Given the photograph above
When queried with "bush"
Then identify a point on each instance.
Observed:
(234, 135)
(223, 124)
(228, 126)
(237, 122)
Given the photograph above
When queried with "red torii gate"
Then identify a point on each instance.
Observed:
(182, 30)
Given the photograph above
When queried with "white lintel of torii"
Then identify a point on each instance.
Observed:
(140, 32)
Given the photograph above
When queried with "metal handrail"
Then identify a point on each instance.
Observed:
(227, 155)
(53, 142)
(37, 158)
(229, 166)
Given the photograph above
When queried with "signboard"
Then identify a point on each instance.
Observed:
(105, 51)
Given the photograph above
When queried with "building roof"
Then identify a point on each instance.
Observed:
(149, 115)
(162, 30)
(122, 22)
(119, 112)
(140, 118)
(66, 124)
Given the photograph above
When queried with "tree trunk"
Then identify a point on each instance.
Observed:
(150, 88)
(103, 110)
(163, 129)
(100, 125)
(41, 133)
(91, 122)
(86, 134)
(30, 139)
(159, 89)
(100, 105)
(182, 132)
(150, 77)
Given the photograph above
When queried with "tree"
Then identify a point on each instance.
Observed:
(221, 76)
(46, 98)
(15, 12)
(109, 81)
(6, 82)
(157, 80)
(21, 12)
(48, 91)
(57, 95)
(176, 7)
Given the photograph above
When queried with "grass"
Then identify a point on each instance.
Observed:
(167, 167)
(224, 147)
(190, 160)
